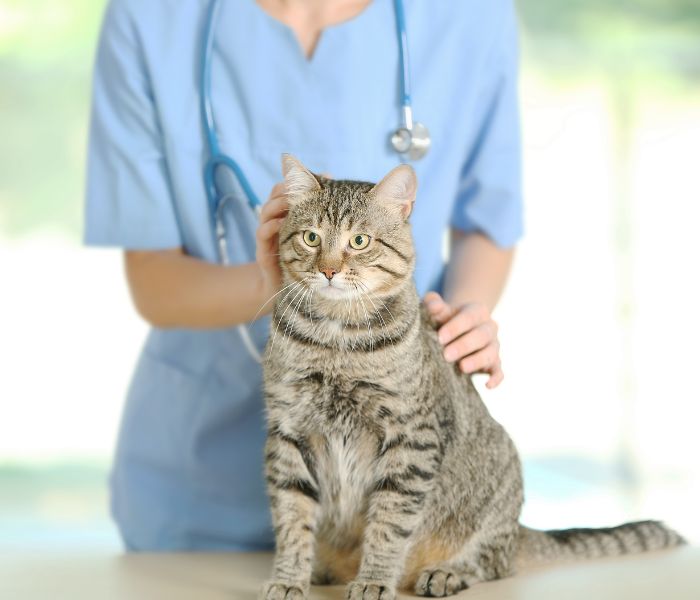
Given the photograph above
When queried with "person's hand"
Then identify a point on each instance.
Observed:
(272, 216)
(469, 336)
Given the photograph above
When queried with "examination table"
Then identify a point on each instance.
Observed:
(667, 575)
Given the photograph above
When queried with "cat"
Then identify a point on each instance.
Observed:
(384, 468)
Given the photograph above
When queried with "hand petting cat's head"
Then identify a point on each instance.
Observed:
(347, 238)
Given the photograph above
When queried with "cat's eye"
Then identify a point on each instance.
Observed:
(311, 238)
(359, 241)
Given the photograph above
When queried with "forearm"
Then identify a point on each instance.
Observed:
(172, 289)
(478, 269)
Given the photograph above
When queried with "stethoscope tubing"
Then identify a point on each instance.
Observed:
(418, 139)
(216, 157)
(403, 56)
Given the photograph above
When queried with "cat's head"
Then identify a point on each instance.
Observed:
(345, 238)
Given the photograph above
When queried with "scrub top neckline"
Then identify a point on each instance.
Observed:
(318, 50)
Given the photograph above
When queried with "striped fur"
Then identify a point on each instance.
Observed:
(587, 543)
(384, 467)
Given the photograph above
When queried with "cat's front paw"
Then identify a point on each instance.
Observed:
(370, 590)
(437, 583)
(281, 590)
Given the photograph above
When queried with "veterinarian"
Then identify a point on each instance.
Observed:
(320, 79)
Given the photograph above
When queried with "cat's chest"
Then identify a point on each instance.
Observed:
(346, 472)
(337, 402)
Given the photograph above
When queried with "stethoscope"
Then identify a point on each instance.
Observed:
(411, 141)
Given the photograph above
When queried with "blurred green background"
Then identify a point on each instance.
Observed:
(46, 50)
(630, 67)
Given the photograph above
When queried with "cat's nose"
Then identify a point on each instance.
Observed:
(328, 272)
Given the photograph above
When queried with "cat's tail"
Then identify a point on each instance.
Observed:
(575, 544)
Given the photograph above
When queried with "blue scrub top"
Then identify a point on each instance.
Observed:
(188, 470)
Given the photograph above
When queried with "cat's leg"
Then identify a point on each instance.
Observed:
(481, 559)
(392, 517)
(485, 529)
(407, 468)
(294, 496)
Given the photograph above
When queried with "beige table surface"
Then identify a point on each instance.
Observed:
(669, 575)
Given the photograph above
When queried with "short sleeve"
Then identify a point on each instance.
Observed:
(128, 197)
(489, 197)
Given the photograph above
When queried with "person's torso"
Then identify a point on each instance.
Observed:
(334, 111)
(194, 418)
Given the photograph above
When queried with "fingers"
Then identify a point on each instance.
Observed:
(279, 190)
(267, 230)
(275, 207)
(472, 341)
(272, 216)
(469, 336)
(487, 361)
(469, 317)
(496, 377)
(484, 360)
(439, 310)
(266, 240)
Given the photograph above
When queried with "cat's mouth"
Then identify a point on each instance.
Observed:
(339, 287)
(332, 290)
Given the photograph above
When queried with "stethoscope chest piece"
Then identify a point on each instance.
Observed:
(412, 143)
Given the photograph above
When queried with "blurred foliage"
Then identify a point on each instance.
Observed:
(47, 47)
(659, 38)
(61, 507)
(597, 19)
(46, 32)
(46, 53)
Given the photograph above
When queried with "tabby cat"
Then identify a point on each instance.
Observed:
(384, 467)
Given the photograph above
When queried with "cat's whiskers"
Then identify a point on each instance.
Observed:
(308, 308)
(385, 335)
(369, 325)
(345, 323)
(291, 303)
(351, 321)
(271, 298)
(356, 338)
(299, 284)
(386, 308)
(288, 329)
(348, 323)
(385, 326)
(365, 292)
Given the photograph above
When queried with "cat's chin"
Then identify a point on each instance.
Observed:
(334, 292)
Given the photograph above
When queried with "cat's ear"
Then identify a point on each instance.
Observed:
(398, 189)
(298, 180)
